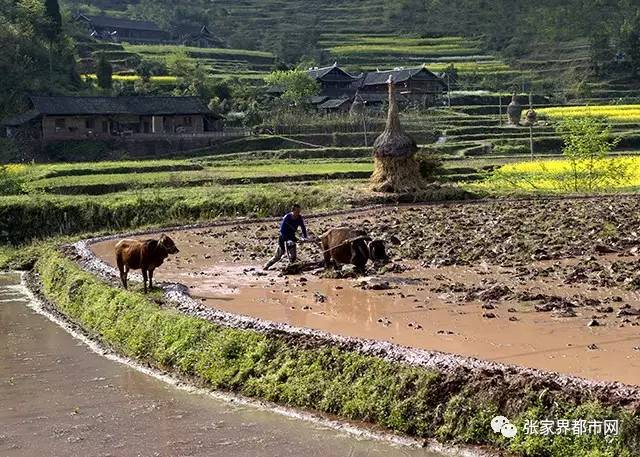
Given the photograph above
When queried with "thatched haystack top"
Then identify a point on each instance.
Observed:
(394, 142)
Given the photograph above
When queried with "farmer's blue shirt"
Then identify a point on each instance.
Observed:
(289, 226)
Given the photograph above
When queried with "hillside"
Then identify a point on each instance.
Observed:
(492, 44)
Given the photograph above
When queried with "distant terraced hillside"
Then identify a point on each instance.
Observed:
(357, 16)
(220, 62)
(548, 52)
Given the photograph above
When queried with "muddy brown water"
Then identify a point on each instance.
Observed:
(411, 313)
(59, 398)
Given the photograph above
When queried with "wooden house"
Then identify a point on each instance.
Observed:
(334, 81)
(339, 89)
(417, 85)
(117, 29)
(197, 36)
(63, 118)
(414, 86)
(336, 105)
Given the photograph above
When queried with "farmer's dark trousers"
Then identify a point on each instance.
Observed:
(281, 250)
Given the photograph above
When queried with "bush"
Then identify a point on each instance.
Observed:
(430, 164)
(587, 142)
(104, 72)
(12, 179)
(79, 150)
(148, 68)
(9, 151)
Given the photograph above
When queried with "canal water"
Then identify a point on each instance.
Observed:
(60, 398)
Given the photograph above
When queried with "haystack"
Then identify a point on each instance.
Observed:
(514, 111)
(395, 167)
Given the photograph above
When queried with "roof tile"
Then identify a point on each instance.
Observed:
(141, 105)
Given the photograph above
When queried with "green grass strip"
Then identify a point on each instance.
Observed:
(413, 400)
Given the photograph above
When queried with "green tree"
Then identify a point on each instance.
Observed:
(587, 143)
(630, 41)
(179, 64)
(53, 19)
(297, 86)
(13, 179)
(104, 72)
(601, 52)
(25, 51)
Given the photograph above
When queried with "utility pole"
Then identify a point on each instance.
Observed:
(364, 125)
(448, 90)
(500, 109)
(531, 127)
(364, 117)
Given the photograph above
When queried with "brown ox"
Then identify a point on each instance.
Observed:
(145, 255)
(347, 245)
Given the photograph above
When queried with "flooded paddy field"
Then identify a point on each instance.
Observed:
(545, 284)
(59, 398)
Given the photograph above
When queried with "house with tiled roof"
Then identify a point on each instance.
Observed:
(53, 118)
(196, 36)
(334, 81)
(419, 85)
(117, 29)
(103, 27)
(414, 85)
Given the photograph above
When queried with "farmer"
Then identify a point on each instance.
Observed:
(287, 239)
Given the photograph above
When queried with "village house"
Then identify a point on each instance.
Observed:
(72, 117)
(335, 105)
(195, 36)
(339, 89)
(334, 81)
(115, 29)
(417, 85)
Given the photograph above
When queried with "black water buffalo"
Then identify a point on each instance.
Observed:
(347, 245)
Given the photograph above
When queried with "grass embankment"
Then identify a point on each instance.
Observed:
(416, 401)
(25, 217)
(134, 176)
(28, 217)
(53, 199)
(314, 170)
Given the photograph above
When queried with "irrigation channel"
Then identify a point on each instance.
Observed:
(61, 398)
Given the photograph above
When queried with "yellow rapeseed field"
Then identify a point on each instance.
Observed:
(15, 168)
(557, 175)
(156, 79)
(619, 113)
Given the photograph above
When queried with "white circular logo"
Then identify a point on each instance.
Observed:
(509, 430)
(501, 424)
(498, 422)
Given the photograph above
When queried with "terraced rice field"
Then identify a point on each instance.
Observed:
(243, 64)
(544, 284)
(368, 52)
(271, 16)
(217, 173)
